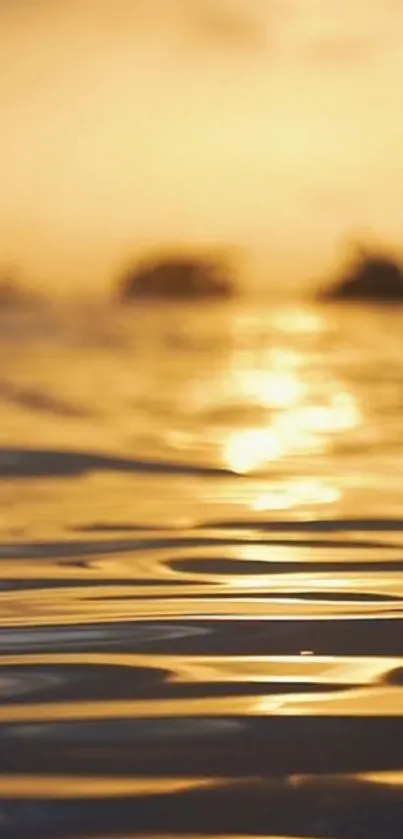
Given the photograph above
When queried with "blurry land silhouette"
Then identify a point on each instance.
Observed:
(371, 277)
(14, 296)
(177, 278)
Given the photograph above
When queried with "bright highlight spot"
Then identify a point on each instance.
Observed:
(247, 450)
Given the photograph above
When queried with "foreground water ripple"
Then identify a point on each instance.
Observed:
(201, 576)
(173, 683)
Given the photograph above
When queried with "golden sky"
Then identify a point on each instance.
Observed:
(273, 124)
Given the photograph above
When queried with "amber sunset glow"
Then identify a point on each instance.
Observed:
(273, 125)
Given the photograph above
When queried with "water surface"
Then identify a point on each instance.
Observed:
(201, 579)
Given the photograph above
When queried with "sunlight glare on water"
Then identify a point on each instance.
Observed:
(307, 409)
(201, 572)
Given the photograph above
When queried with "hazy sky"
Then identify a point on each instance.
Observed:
(274, 124)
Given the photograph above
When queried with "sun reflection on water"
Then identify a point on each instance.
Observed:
(271, 388)
(303, 410)
(296, 493)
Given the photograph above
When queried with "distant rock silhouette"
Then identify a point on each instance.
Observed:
(373, 277)
(177, 278)
(13, 297)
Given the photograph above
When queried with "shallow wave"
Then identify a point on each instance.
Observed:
(185, 650)
(320, 807)
(22, 463)
(353, 525)
(166, 684)
(32, 399)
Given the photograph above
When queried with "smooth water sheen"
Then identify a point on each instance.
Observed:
(201, 579)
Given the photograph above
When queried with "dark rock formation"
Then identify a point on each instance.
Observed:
(372, 278)
(177, 278)
(13, 296)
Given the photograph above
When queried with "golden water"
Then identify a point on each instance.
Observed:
(201, 573)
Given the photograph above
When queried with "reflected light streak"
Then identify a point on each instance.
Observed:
(272, 389)
(296, 430)
(300, 320)
(306, 413)
(246, 450)
(297, 493)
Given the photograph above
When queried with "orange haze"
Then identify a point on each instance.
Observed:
(273, 124)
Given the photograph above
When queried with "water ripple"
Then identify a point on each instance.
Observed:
(24, 463)
(201, 585)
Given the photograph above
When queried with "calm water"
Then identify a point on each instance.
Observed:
(201, 579)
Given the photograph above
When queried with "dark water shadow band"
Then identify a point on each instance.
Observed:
(25, 463)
